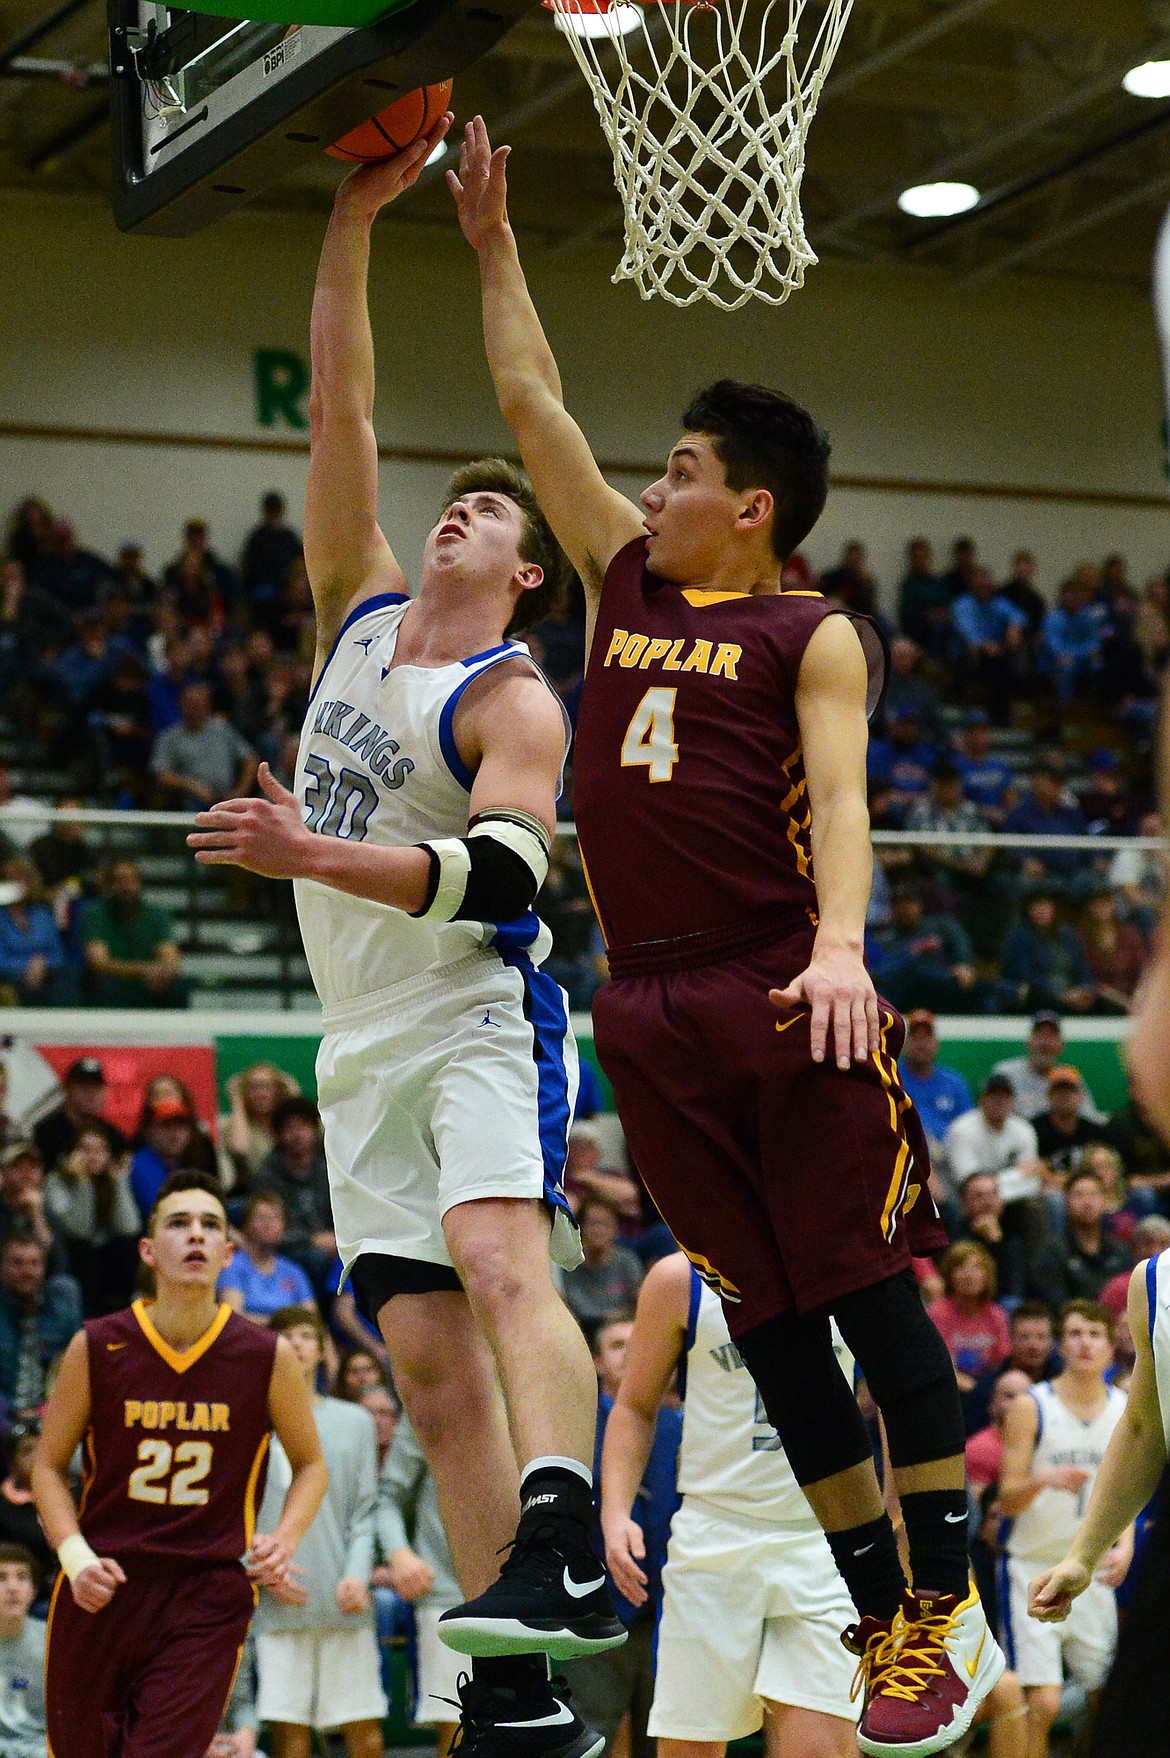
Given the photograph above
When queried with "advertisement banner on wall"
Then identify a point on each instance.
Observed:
(36, 1072)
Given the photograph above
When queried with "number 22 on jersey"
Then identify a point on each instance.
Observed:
(193, 1459)
(649, 742)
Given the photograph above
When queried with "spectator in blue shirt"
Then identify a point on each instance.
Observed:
(167, 1132)
(90, 660)
(258, 1281)
(988, 782)
(33, 964)
(39, 1314)
(1044, 964)
(925, 960)
(940, 1094)
(989, 643)
(1070, 640)
(902, 759)
(1046, 810)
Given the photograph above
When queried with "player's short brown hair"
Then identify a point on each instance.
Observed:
(764, 439)
(537, 543)
(1095, 1312)
(181, 1180)
(291, 1318)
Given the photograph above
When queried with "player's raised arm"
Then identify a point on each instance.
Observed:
(1128, 1475)
(591, 520)
(93, 1579)
(346, 555)
(270, 1558)
(656, 1342)
(831, 692)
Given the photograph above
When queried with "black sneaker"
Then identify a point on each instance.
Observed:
(496, 1722)
(551, 1598)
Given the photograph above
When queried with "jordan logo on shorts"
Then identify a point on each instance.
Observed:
(488, 1020)
(365, 642)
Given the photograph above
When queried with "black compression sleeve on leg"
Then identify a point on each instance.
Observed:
(809, 1401)
(907, 1368)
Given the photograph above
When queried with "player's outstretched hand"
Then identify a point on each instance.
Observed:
(1051, 1594)
(96, 1586)
(370, 187)
(480, 186)
(266, 836)
(270, 1565)
(625, 1548)
(838, 990)
(353, 1596)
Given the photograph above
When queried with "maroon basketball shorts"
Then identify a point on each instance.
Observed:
(149, 1675)
(787, 1182)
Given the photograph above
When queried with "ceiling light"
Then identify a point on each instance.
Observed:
(615, 21)
(934, 201)
(1150, 80)
(440, 152)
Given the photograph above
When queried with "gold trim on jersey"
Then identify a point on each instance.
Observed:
(699, 598)
(592, 893)
(88, 1471)
(901, 1194)
(706, 1272)
(250, 1495)
(180, 1360)
(799, 829)
(48, 1638)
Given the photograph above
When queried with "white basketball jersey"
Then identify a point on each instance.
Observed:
(378, 763)
(1046, 1528)
(731, 1455)
(1158, 1295)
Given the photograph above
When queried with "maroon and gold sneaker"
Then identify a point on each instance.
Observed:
(925, 1679)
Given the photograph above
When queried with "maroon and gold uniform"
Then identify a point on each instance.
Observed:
(174, 1465)
(787, 1182)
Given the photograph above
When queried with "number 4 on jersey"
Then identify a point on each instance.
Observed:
(649, 742)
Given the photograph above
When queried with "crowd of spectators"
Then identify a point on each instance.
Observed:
(184, 681)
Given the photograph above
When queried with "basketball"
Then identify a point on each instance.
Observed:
(394, 127)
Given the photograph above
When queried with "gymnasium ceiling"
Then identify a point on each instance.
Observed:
(1023, 98)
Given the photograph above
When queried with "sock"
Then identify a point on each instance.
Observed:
(557, 1489)
(511, 1672)
(867, 1561)
(936, 1531)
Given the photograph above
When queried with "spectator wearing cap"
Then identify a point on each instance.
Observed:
(925, 960)
(259, 1281)
(1114, 951)
(130, 949)
(991, 1138)
(902, 759)
(202, 758)
(1063, 1134)
(24, 1213)
(1044, 964)
(1084, 1256)
(1107, 805)
(988, 781)
(1029, 1073)
(988, 647)
(83, 1103)
(940, 1094)
(167, 1127)
(1045, 810)
(39, 1314)
(296, 1171)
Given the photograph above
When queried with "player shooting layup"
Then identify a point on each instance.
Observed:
(720, 797)
(174, 1400)
(418, 838)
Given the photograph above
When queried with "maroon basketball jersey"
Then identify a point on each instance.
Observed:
(177, 1447)
(688, 781)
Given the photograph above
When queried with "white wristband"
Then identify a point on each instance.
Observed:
(75, 1555)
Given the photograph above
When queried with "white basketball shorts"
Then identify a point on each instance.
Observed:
(439, 1670)
(453, 1086)
(319, 1678)
(1041, 1654)
(751, 1614)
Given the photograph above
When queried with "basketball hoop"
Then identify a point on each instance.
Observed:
(707, 105)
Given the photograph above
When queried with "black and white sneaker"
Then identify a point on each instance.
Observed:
(498, 1722)
(551, 1598)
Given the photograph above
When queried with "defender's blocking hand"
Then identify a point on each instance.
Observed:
(480, 187)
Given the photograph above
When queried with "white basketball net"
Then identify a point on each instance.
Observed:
(707, 105)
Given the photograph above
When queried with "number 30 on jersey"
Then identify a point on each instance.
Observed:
(649, 742)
